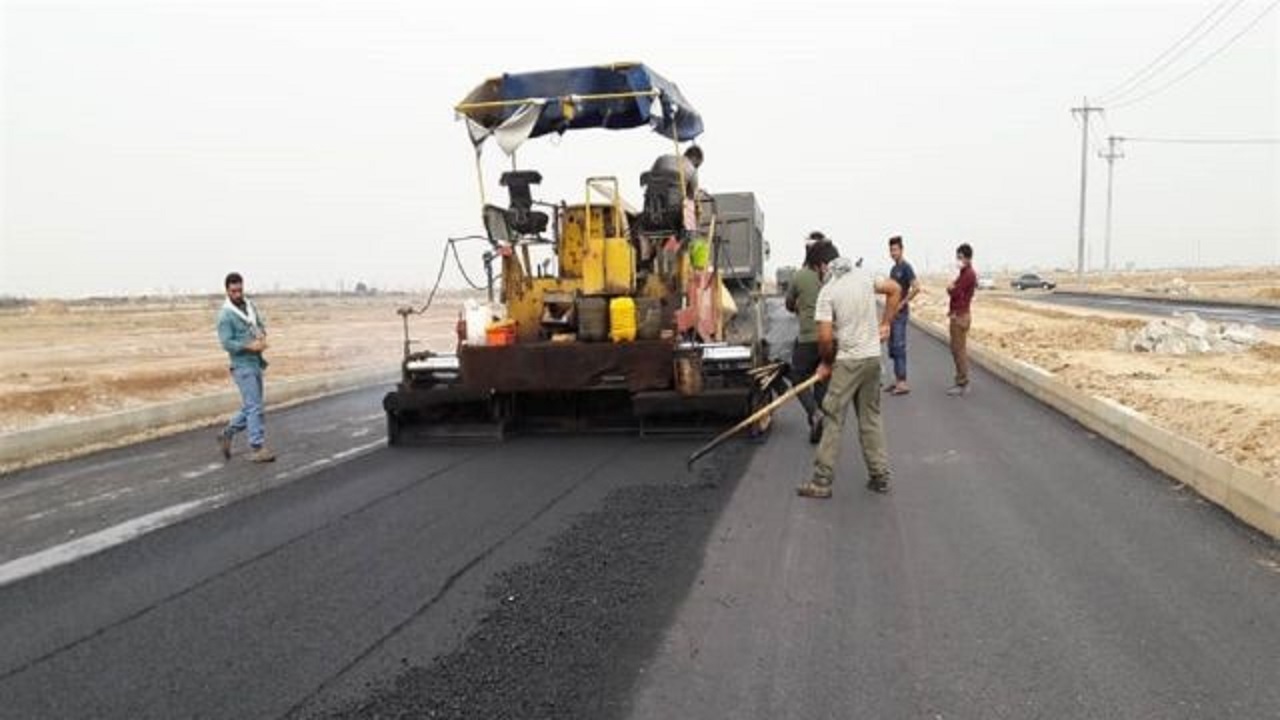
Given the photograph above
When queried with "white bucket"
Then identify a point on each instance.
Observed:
(476, 317)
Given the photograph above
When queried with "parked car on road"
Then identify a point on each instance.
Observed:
(1028, 281)
(986, 283)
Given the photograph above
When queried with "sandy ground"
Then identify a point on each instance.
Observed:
(62, 361)
(1230, 403)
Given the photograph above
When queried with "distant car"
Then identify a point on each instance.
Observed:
(1028, 281)
(986, 283)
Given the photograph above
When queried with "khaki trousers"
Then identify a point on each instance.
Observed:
(857, 383)
(959, 346)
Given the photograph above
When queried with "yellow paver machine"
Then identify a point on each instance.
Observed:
(600, 315)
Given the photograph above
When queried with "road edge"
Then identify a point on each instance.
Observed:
(1241, 304)
(39, 446)
(1242, 492)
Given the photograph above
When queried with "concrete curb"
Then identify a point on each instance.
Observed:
(1245, 493)
(1175, 299)
(32, 447)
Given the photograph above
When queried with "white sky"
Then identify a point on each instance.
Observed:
(153, 146)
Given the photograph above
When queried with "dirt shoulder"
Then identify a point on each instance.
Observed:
(1229, 403)
(66, 361)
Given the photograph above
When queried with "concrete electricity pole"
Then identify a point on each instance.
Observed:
(1110, 155)
(1083, 111)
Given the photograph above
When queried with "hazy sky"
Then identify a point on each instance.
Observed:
(150, 146)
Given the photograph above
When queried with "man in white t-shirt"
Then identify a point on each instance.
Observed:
(849, 337)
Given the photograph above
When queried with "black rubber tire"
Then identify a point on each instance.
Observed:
(393, 430)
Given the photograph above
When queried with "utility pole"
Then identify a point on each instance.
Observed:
(1110, 155)
(1083, 111)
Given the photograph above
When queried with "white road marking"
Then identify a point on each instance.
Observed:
(97, 542)
(358, 450)
(361, 432)
(193, 474)
(330, 460)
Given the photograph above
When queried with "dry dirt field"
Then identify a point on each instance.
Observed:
(1230, 403)
(66, 360)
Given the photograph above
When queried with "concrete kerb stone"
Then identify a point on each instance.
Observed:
(31, 447)
(1245, 493)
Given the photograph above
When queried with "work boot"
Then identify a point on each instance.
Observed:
(263, 455)
(815, 491)
(224, 444)
(958, 390)
(878, 485)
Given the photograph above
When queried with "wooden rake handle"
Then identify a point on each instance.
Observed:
(754, 417)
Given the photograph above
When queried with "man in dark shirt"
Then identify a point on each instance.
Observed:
(961, 292)
(905, 275)
(686, 165)
(802, 299)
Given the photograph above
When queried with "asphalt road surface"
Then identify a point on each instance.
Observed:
(1021, 568)
(1247, 314)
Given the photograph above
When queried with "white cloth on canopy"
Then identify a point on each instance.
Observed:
(513, 131)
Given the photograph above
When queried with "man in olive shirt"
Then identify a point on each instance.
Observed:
(802, 299)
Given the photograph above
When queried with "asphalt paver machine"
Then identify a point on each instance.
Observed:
(628, 321)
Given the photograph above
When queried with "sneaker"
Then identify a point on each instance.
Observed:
(224, 444)
(958, 390)
(811, 490)
(263, 455)
(878, 485)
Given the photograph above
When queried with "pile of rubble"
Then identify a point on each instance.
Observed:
(1187, 334)
(1176, 286)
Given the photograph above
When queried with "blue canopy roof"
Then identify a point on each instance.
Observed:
(616, 97)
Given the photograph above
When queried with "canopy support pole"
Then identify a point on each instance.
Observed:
(480, 180)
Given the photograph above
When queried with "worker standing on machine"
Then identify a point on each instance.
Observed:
(802, 299)
(686, 164)
(242, 332)
(849, 348)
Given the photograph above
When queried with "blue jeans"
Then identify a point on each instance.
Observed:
(898, 345)
(249, 381)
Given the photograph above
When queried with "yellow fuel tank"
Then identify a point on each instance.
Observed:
(622, 319)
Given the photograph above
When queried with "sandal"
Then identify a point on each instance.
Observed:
(811, 490)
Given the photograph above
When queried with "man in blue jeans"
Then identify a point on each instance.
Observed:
(905, 275)
(243, 334)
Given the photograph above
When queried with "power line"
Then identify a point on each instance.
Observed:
(1221, 48)
(1150, 70)
(1205, 141)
